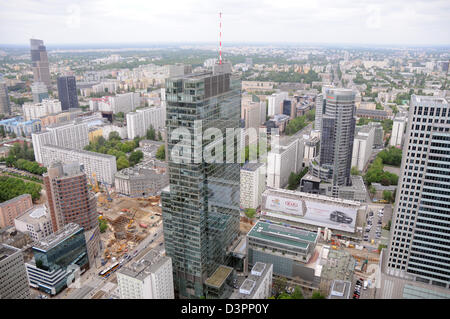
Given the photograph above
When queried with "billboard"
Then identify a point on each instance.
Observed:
(311, 212)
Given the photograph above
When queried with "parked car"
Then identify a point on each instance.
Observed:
(340, 217)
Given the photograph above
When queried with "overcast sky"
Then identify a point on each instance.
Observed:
(410, 22)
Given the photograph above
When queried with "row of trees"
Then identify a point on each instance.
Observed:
(114, 146)
(151, 134)
(299, 123)
(21, 156)
(11, 187)
(376, 174)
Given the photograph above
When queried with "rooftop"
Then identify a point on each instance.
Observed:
(340, 289)
(80, 151)
(219, 276)
(252, 282)
(141, 269)
(54, 239)
(6, 251)
(35, 215)
(251, 166)
(283, 235)
(12, 200)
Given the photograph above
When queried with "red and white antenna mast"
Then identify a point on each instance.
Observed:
(220, 37)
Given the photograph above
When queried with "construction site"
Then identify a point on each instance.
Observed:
(128, 220)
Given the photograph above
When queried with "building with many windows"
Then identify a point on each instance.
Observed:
(13, 276)
(139, 122)
(253, 183)
(14, 207)
(36, 110)
(149, 278)
(36, 222)
(5, 107)
(200, 207)
(67, 92)
(39, 62)
(419, 247)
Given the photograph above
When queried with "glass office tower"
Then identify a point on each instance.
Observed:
(201, 205)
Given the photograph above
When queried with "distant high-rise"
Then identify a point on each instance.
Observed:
(39, 62)
(39, 91)
(67, 92)
(5, 107)
(420, 243)
(337, 134)
(201, 205)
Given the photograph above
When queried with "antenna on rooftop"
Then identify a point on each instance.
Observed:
(220, 37)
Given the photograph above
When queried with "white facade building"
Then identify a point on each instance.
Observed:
(67, 135)
(398, 129)
(125, 103)
(103, 165)
(36, 222)
(36, 110)
(140, 121)
(258, 285)
(362, 146)
(150, 278)
(275, 102)
(282, 161)
(253, 184)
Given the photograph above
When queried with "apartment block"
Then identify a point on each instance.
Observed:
(13, 208)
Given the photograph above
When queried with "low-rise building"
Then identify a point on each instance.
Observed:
(150, 278)
(36, 222)
(258, 285)
(141, 181)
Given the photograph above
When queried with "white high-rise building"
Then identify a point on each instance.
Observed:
(282, 161)
(36, 110)
(140, 121)
(420, 245)
(253, 184)
(363, 146)
(68, 135)
(275, 102)
(398, 128)
(125, 103)
(150, 278)
(13, 274)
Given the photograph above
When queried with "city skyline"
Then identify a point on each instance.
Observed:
(286, 21)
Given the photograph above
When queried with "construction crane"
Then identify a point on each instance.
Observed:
(131, 220)
(107, 192)
(95, 187)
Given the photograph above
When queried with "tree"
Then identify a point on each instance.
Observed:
(161, 153)
(279, 285)
(135, 157)
(317, 295)
(151, 133)
(159, 136)
(103, 225)
(114, 136)
(297, 294)
(250, 212)
(2, 131)
(387, 195)
(122, 163)
(354, 171)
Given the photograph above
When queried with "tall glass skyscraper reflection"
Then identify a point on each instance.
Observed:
(201, 205)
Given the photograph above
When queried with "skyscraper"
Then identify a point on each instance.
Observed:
(201, 205)
(5, 107)
(13, 275)
(337, 133)
(39, 62)
(419, 247)
(67, 92)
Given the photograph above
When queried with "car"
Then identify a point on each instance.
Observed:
(371, 213)
(340, 217)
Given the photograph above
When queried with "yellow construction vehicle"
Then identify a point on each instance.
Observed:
(95, 187)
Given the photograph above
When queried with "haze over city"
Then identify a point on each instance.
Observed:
(398, 22)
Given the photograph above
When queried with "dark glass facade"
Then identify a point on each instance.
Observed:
(67, 92)
(201, 210)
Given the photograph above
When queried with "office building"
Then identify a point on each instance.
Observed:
(68, 135)
(13, 276)
(337, 136)
(140, 181)
(149, 278)
(103, 165)
(253, 183)
(139, 122)
(36, 110)
(275, 103)
(5, 107)
(378, 138)
(14, 207)
(39, 91)
(36, 222)
(67, 92)
(69, 198)
(282, 160)
(39, 62)
(398, 130)
(201, 204)
(362, 146)
(56, 257)
(419, 247)
(258, 285)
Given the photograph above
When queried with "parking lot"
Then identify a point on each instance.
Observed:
(377, 217)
